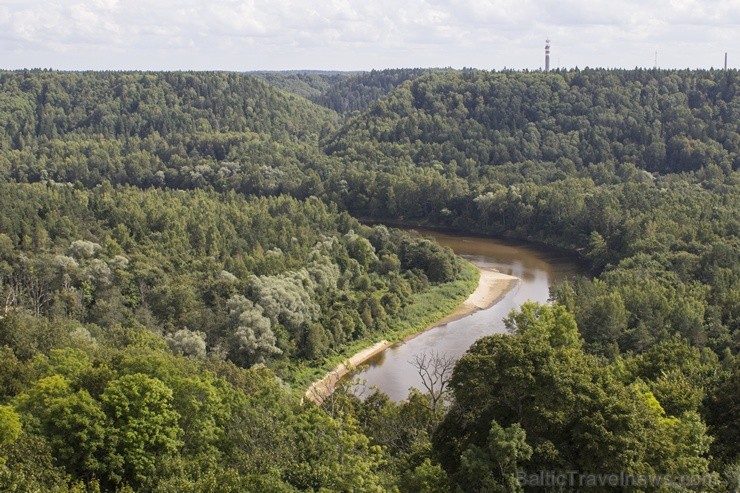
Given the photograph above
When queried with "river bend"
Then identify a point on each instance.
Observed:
(537, 269)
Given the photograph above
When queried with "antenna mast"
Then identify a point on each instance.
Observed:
(547, 55)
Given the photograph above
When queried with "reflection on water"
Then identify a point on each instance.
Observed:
(537, 270)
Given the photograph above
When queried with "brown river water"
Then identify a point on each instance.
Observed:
(537, 268)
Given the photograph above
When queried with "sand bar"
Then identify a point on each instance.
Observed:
(492, 286)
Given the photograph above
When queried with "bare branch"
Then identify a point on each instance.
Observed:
(435, 370)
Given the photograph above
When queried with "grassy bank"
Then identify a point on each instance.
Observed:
(427, 307)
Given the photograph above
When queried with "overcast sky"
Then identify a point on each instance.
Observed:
(365, 34)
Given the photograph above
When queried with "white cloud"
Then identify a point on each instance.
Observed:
(362, 34)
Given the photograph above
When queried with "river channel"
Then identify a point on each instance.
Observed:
(537, 270)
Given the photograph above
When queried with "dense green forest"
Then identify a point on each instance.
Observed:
(181, 264)
(178, 255)
(344, 92)
(309, 85)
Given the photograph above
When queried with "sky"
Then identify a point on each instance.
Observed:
(245, 35)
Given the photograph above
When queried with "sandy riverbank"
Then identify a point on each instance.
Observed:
(492, 286)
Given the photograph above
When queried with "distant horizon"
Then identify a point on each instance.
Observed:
(360, 71)
(348, 35)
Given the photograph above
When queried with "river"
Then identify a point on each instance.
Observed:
(537, 269)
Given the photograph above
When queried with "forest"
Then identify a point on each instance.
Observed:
(181, 253)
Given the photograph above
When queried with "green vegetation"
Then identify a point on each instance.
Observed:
(252, 280)
(537, 400)
(426, 308)
(126, 312)
(113, 409)
(344, 92)
(175, 247)
(309, 85)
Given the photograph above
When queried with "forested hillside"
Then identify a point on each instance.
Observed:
(359, 91)
(309, 85)
(343, 92)
(174, 129)
(45, 105)
(178, 249)
(467, 121)
(250, 280)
